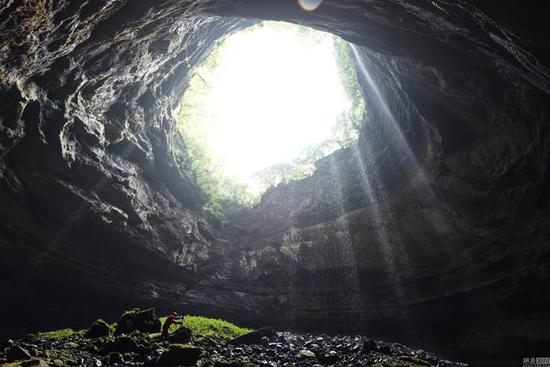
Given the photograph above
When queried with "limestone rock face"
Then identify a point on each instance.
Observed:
(432, 229)
(97, 200)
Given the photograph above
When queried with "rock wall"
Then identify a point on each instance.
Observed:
(99, 209)
(433, 229)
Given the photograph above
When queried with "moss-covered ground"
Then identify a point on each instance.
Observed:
(61, 333)
(207, 327)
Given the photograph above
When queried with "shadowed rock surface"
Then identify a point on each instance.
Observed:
(432, 229)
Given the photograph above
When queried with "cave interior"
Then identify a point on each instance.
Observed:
(432, 230)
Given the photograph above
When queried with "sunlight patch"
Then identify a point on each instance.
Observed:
(265, 104)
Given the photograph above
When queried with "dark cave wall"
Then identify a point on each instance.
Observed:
(99, 209)
(432, 229)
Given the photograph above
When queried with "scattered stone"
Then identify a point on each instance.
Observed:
(115, 358)
(306, 354)
(285, 350)
(254, 337)
(228, 364)
(179, 355)
(98, 329)
(425, 356)
(415, 361)
(143, 350)
(328, 359)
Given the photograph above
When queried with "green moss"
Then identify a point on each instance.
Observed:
(60, 357)
(207, 327)
(203, 326)
(214, 209)
(130, 312)
(60, 334)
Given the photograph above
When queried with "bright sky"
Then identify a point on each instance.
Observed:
(275, 93)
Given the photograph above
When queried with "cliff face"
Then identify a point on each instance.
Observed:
(98, 203)
(432, 229)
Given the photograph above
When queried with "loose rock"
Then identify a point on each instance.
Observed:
(254, 337)
(98, 329)
(286, 350)
(17, 353)
(121, 344)
(181, 336)
(179, 355)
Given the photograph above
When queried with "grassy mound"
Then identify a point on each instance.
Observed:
(199, 326)
(206, 327)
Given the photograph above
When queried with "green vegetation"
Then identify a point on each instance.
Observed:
(199, 326)
(346, 130)
(60, 334)
(206, 170)
(203, 326)
(194, 121)
(206, 327)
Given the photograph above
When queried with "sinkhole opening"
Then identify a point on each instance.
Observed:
(265, 105)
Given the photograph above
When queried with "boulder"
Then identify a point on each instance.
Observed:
(136, 319)
(98, 329)
(369, 346)
(17, 353)
(121, 344)
(179, 355)
(306, 354)
(181, 336)
(254, 337)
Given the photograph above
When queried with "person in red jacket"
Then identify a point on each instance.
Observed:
(171, 319)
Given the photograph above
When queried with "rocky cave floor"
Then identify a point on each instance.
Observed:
(136, 345)
(286, 349)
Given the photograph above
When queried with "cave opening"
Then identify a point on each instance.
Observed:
(266, 103)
